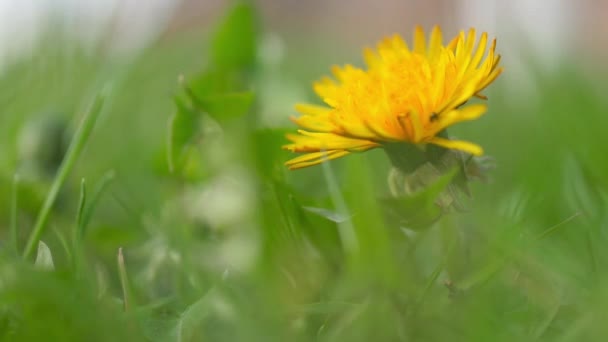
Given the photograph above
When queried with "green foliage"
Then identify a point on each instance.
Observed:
(419, 210)
(183, 127)
(217, 92)
(234, 45)
(232, 246)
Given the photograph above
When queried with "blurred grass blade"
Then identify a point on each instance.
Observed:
(592, 254)
(44, 258)
(124, 281)
(545, 324)
(190, 321)
(553, 228)
(14, 238)
(183, 126)
(348, 235)
(64, 243)
(76, 146)
(82, 200)
(328, 214)
(432, 280)
(92, 201)
(74, 248)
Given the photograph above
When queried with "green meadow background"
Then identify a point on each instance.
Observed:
(173, 218)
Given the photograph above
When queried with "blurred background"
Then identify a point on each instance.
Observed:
(554, 29)
(550, 27)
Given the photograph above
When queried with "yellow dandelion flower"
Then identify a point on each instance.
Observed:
(404, 95)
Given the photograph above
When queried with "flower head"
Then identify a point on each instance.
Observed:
(404, 95)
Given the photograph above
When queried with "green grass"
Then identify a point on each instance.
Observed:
(228, 245)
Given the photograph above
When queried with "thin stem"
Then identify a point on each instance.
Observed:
(346, 230)
(14, 213)
(551, 229)
(75, 247)
(79, 214)
(92, 200)
(122, 274)
(67, 164)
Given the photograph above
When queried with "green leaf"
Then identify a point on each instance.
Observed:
(235, 40)
(184, 124)
(183, 127)
(212, 82)
(224, 107)
(271, 157)
(419, 210)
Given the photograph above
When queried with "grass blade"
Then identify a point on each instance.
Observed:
(124, 282)
(80, 213)
(14, 213)
(88, 210)
(76, 147)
